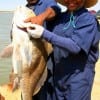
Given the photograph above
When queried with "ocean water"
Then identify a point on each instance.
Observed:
(5, 28)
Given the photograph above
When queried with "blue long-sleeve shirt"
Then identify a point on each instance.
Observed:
(76, 51)
(42, 5)
(80, 43)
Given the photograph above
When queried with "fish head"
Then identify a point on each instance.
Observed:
(21, 13)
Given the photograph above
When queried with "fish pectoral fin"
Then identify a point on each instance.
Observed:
(7, 51)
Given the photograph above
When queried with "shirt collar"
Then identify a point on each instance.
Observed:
(38, 3)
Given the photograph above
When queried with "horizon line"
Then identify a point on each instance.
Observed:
(6, 10)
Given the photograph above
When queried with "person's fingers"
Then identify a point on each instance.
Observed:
(32, 32)
(33, 20)
(26, 24)
(21, 24)
(32, 26)
(27, 20)
(31, 29)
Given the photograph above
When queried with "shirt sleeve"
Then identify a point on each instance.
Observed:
(86, 33)
(62, 42)
(84, 36)
(50, 3)
(53, 4)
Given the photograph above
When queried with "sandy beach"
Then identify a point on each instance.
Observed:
(96, 87)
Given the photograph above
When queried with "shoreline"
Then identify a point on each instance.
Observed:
(7, 11)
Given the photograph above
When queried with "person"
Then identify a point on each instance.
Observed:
(75, 39)
(45, 11)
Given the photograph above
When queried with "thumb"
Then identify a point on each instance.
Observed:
(31, 29)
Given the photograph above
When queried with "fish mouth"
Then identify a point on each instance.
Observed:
(23, 29)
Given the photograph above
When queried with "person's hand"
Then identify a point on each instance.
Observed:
(35, 30)
(35, 20)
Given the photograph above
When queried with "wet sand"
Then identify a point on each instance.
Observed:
(96, 86)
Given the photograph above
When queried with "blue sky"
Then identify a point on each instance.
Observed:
(12, 4)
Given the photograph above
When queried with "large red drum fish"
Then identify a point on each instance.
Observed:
(29, 55)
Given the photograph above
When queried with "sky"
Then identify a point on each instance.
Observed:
(12, 4)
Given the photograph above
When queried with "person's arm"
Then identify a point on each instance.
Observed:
(48, 14)
(62, 42)
(37, 31)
